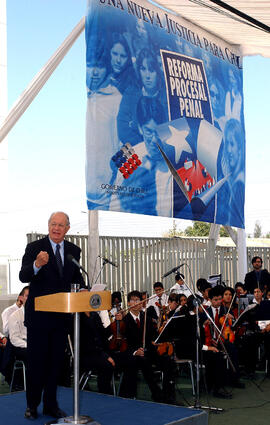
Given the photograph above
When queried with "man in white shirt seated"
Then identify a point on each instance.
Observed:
(159, 301)
(17, 330)
(12, 308)
(180, 287)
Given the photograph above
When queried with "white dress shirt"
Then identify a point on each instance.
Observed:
(181, 289)
(17, 330)
(5, 316)
(154, 300)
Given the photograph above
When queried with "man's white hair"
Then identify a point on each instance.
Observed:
(59, 212)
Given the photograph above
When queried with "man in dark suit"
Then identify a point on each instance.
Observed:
(46, 267)
(257, 278)
(146, 354)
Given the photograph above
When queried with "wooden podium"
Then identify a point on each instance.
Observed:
(74, 302)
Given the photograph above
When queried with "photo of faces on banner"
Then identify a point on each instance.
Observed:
(127, 101)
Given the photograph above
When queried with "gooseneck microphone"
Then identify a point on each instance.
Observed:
(106, 260)
(74, 261)
(172, 271)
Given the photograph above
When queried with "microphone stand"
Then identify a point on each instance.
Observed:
(101, 268)
(87, 278)
(74, 261)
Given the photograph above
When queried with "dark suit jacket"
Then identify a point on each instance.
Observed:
(94, 339)
(47, 280)
(251, 281)
(203, 316)
(134, 335)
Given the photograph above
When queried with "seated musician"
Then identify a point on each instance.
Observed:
(240, 289)
(116, 304)
(180, 286)
(185, 347)
(204, 287)
(158, 303)
(214, 339)
(182, 300)
(227, 296)
(96, 355)
(140, 337)
(258, 296)
(263, 321)
(229, 300)
(173, 304)
(183, 304)
(240, 299)
(247, 334)
(145, 297)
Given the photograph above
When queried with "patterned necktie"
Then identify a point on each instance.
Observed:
(217, 318)
(59, 260)
(216, 323)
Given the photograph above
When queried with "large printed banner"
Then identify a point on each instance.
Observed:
(165, 128)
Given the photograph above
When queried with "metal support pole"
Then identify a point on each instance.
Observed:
(76, 365)
(76, 419)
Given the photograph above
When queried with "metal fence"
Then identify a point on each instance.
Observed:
(142, 261)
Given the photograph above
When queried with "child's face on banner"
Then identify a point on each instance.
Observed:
(118, 58)
(95, 76)
(149, 131)
(148, 75)
(232, 150)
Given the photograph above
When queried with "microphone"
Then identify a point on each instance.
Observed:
(106, 260)
(172, 271)
(74, 261)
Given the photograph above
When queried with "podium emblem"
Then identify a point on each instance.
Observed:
(95, 301)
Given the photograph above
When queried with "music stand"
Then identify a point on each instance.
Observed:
(74, 302)
(173, 327)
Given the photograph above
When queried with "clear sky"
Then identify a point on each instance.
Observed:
(46, 147)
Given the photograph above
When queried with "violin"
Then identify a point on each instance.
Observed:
(226, 329)
(162, 314)
(118, 342)
(165, 348)
(210, 340)
(209, 334)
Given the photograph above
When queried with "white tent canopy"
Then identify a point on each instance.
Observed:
(235, 28)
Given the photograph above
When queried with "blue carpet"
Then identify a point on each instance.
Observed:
(107, 410)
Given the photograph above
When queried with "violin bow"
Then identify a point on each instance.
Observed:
(146, 299)
(144, 328)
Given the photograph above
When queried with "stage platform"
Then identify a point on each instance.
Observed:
(107, 410)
